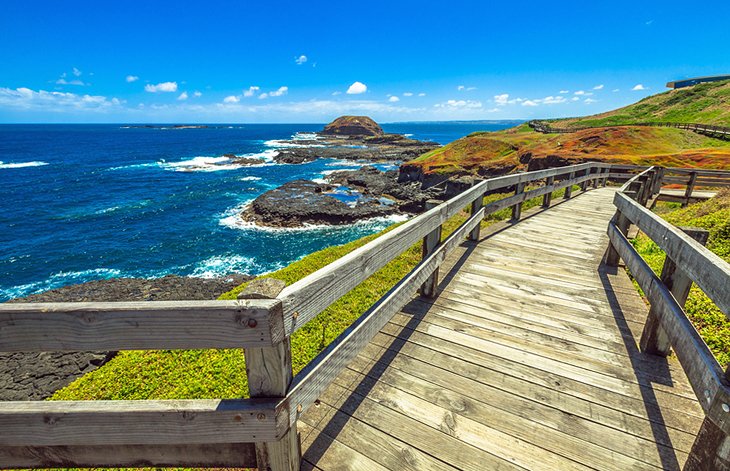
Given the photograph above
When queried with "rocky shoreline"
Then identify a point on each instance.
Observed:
(37, 375)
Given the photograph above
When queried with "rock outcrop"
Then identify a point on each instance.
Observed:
(353, 126)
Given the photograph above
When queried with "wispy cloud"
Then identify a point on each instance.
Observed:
(501, 99)
(638, 87)
(132, 78)
(252, 90)
(588, 101)
(463, 88)
(408, 94)
(279, 91)
(357, 88)
(421, 94)
(76, 72)
(231, 99)
(598, 87)
(563, 92)
(183, 96)
(459, 104)
(582, 93)
(529, 103)
(197, 94)
(161, 87)
(301, 59)
(393, 99)
(41, 100)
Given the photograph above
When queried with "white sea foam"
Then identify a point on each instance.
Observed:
(250, 179)
(107, 210)
(347, 163)
(222, 265)
(36, 163)
(125, 167)
(59, 279)
(234, 221)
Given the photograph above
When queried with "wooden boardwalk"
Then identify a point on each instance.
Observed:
(527, 359)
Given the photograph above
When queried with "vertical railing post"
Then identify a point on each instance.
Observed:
(476, 205)
(517, 208)
(622, 224)
(569, 188)
(269, 372)
(596, 178)
(711, 449)
(607, 171)
(548, 197)
(653, 339)
(690, 188)
(584, 184)
(430, 242)
(658, 180)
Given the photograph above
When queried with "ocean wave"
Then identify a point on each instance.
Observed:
(126, 167)
(35, 163)
(58, 280)
(234, 221)
(249, 179)
(221, 265)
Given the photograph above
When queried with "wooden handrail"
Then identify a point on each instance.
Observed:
(721, 132)
(687, 261)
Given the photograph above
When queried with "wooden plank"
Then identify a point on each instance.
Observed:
(230, 455)
(170, 422)
(145, 325)
(320, 372)
(703, 371)
(336, 455)
(708, 270)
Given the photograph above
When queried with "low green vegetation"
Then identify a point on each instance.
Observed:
(713, 215)
(705, 103)
(205, 374)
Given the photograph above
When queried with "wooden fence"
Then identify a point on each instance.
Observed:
(719, 132)
(260, 431)
(667, 326)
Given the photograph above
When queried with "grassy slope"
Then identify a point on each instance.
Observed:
(713, 215)
(706, 103)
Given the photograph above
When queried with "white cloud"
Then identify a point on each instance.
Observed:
(251, 91)
(421, 94)
(501, 99)
(336, 93)
(563, 92)
(76, 72)
(301, 59)
(580, 93)
(357, 88)
(393, 99)
(616, 90)
(263, 96)
(493, 110)
(598, 87)
(638, 87)
(161, 87)
(575, 98)
(460, 88)
(231, 99)
(588, 101)
(529, 103)
(552, 100)
(41, 100)
(280, 91)
(197, 94)
(407, 94)
(459, 104)
(183, 96)
(63, 81)
(132, 78)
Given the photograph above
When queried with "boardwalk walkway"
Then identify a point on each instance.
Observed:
(527, 359)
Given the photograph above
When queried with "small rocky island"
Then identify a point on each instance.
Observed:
(344, 197)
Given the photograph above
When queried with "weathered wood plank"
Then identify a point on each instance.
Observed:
(171, 422)
(139, 325)
(229, 455)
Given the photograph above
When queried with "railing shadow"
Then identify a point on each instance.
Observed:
(660, 373)
(327, 434)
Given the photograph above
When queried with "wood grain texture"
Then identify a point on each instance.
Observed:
(151, 325)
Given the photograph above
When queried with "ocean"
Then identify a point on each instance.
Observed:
(88, 202)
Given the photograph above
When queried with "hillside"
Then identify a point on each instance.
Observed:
(706, 103)
(521, 148)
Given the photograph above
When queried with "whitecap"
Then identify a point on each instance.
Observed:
(125, 167)
(58, 280)
(250, 179)
(235, 221)
(221, 265)
(35, 163)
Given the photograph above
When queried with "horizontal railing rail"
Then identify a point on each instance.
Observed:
(260, 431)
(667, 326)
(721, 132)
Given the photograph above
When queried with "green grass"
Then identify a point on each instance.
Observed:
(713, 215)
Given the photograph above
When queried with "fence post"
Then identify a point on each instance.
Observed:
(711, 449)
(269, 372)
(595, 180)
(569, 188)
(690, 188)
(658, 180)
(476, 205)
(584, 184)
(547, 199)
(430, 242)
(653, 339)
(622, 224)
(517, 208)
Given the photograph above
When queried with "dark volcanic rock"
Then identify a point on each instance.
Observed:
(305, 202)
(295, 156)
(353, 126)
(35, 376)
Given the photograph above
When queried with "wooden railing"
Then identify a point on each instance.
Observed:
(667, 326)
(720, 132)
(260, 431)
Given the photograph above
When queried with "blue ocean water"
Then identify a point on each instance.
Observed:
(86, 202)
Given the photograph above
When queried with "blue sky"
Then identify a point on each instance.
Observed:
(226, 61)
